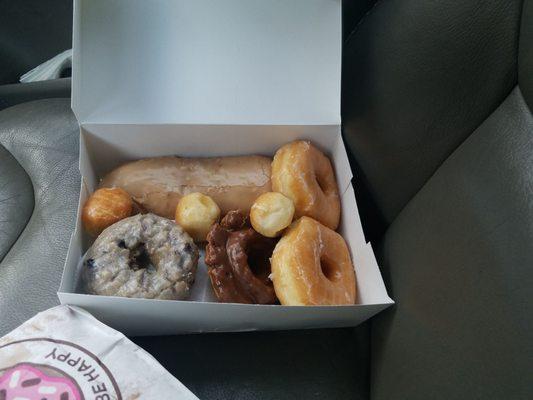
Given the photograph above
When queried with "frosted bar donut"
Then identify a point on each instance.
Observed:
(311, 266)
(304, 174)
(143, 256)
(158, 184)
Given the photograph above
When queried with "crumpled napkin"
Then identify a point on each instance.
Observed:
(50, 69)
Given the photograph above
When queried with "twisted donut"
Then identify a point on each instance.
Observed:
(238, 261)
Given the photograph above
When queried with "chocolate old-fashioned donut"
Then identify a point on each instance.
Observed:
(238, 261)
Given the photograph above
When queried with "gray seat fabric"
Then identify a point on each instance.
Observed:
(16, 200)
(43, 137)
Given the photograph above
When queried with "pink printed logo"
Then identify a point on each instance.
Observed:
(25, 382)
(51, 369)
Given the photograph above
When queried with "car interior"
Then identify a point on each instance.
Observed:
(436, 100)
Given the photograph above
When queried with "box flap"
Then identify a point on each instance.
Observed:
(207, 61)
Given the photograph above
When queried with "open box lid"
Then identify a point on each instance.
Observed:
(275, 62)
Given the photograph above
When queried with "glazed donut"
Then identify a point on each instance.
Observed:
(238, 262)
(304, 174)
(311, 266)
(105, 207)
(141, 256)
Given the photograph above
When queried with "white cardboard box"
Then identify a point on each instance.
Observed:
(210, 78)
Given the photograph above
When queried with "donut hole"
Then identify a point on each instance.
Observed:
(320, 183)
(329, 269)
(258, 260)
(139, 257)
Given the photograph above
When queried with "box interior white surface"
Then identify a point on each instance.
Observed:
(207, 61)
(211, 78)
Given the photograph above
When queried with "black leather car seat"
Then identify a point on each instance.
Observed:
(435, 113)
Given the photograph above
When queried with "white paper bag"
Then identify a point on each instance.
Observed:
(64, 353)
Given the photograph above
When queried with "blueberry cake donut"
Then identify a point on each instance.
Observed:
(144, 256)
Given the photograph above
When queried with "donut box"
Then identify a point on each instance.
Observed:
(203, 79)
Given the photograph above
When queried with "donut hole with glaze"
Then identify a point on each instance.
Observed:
(321, 184)
(329, 269)
(327, 187)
